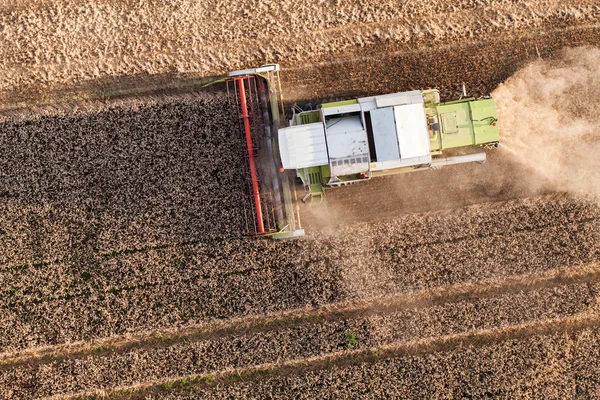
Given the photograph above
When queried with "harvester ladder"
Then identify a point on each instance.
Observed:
(313, 183)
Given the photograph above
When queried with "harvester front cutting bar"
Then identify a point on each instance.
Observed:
(252, 163)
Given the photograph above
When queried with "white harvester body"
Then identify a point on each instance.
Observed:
(400, 135)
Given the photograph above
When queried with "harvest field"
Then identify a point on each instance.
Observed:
(123, 270)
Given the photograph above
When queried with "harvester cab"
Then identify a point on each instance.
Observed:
(255, 97)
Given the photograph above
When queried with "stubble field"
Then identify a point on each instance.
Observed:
(122, 273)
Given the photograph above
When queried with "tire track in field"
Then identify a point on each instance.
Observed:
(252, 344)
(589, 274)
(484, 339)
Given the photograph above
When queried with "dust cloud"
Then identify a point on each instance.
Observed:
(548, 116)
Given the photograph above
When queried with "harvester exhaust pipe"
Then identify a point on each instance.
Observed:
(253, 174)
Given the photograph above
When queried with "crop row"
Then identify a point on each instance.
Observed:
(119, 176)
(96, 297)
(559, 365)
(40, 244)
(289, 340)
(388, 242)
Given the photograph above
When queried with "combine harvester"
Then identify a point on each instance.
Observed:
(355, 140)
(347, 142)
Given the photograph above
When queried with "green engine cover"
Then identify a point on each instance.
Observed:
(466, 122)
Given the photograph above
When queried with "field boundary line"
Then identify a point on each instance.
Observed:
(426, 49)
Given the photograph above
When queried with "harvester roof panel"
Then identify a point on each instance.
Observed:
(401, 98)
(390, 100)
(413, 135)
(303, 146)
(385, 136)
(348, 146)
(346, 137)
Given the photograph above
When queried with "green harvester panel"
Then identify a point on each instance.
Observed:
(314, 177)
(339, 103)
(457, 130)
(483, 114)
(467, 123)
(309, 117)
